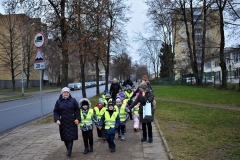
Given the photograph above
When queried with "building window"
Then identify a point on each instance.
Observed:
(208, 32)
(182, 32)
(184, 46)
(183, 53)
(183, 40)
(227, 59)
(216, 63)
(208, 65)
(237, 73)
(236, 57)
(182, 25)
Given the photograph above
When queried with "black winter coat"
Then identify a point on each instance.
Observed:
(114, 89)
(127, 82)
(67, 111)
(149, 96)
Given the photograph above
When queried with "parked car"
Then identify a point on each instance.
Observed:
(207, 81)
(79, 85)
(87, 84)
(191, 80)
(72, 86)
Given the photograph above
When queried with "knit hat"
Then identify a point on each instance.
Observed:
(108, 95)
(143, 85)
(121, 94)
(85, 103)
(119, 99)
(65, 89)
(145, 77)
(100, 100)
(110, 104)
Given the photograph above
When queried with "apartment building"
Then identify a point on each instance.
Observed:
(181, 48)
(17, 49)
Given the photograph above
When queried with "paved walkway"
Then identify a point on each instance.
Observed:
(42, 141)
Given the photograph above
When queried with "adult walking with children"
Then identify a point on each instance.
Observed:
(67, 116)
(145, 96)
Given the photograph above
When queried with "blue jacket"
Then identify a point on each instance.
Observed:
(66, 111)
(111, 130)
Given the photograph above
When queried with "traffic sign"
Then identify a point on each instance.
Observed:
(39, 57)
(40, 65)
(39, 40)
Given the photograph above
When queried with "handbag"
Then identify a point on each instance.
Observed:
(147, 110)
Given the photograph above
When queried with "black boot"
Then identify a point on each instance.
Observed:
(150, 139)
(69, 149)
(86, 150)
(91, 148)
(143, 139)
(66, 144)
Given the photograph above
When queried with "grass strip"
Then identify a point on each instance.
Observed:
(198, 94)
(194, 132)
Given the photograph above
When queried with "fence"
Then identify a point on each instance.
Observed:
(208, 79)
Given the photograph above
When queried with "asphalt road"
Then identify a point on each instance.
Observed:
(19, 112)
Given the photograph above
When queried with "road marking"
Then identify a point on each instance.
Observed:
(25, 105)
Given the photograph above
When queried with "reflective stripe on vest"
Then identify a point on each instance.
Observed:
(88, 119)
(99, 113)
(110, 121)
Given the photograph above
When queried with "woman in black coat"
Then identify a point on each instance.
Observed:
(145, 95)
(114, 89)
(67, 116)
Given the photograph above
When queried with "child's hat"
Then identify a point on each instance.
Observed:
(118, 99)
(110, 104)
(108, 95)
(100, 100)
(121, 94)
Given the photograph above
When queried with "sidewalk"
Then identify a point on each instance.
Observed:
(42, 141)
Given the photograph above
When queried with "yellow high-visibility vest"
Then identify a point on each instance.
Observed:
(88, 119)
(106, 102)
(135, 109)
(122, 113)
(99, 113)
(128, 95)
(110, 121)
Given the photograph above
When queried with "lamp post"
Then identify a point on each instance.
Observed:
(22, 74)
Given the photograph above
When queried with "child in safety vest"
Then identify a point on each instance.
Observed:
(107, 99)
(110, 120)
(99, 111)
(86, 125)
(104, 94)
(136, 125)
(123, 114)
(128, 93)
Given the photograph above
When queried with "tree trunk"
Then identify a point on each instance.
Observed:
(222, 45)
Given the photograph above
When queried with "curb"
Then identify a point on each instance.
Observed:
(169, 153)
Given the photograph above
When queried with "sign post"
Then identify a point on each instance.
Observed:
(39, 62)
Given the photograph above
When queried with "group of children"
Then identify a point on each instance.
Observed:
(109, 116)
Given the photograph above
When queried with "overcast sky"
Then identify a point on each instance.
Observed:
(136, 24)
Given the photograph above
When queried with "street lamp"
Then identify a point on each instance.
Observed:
(22, 74)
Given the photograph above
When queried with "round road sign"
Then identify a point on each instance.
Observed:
(39, 40)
